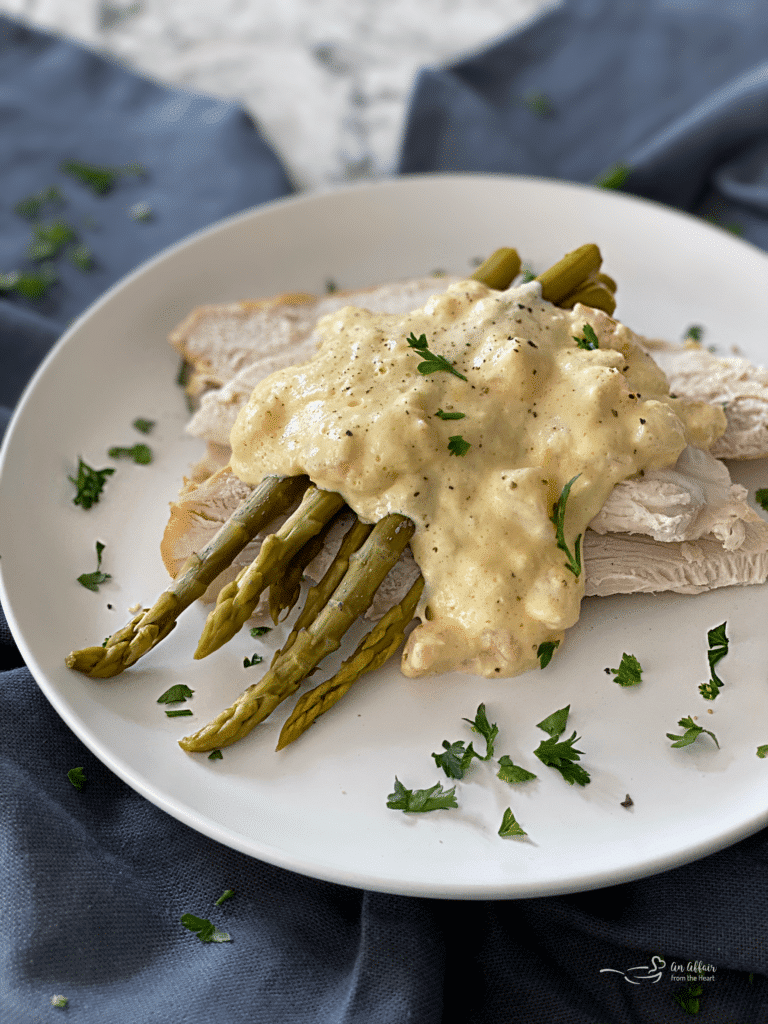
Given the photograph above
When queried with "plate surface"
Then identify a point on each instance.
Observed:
(319, 807)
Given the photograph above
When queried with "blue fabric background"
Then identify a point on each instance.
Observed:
(92, 883)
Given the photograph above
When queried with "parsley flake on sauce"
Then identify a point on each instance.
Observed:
(89, 483)
(545, 650)
(421, 800)
(457, 445)
(450, 415)
(588, 339)
(691, 733)
(432, 363)
(93, 580)
(509, 826)
(558, 519)
(204, 929)
(629, 672)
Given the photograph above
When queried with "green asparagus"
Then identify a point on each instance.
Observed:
(368, 567)
(273, 496)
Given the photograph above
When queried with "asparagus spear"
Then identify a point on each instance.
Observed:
(284, 591)
(374, 649)
(238, 599)
(499, 270)
(273, 496)
(368, 567)
(569, 273)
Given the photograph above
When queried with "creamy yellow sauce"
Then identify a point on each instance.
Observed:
(360, 419)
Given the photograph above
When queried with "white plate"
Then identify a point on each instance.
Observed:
(319, 807)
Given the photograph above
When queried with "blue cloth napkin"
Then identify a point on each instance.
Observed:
(93, 882)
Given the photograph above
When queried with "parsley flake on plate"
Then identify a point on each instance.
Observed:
(144, 426)
(762, 751)
(691, 734)
(509, 826)
(140, 453)
(421, 800)
(177, 694)
(216, 755)
(455, 759)
(718, 648)
(488, 730)
(204, 929)
(257, 631)
(93, 580)
(561, 754)
(761, 497)
(178, 713)
(255, 660)
(511, 772)
(629, 672)
(89, 483)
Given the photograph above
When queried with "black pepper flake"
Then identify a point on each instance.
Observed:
(532, 344)
(615, 413)
(627, 801)
(349, 433)
(642, 420)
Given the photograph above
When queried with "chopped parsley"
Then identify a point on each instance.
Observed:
(629, 672)
(455, 759)
(694, 333)
(762, 751)
(81, 257)
(588, 339)
(226, 895)
(93, 580)
(140, 453)
(539, 104)
(216, 755)
(561, 754)
(691, 734)
(761, 497)
(255, 660)
(59, 1001)
(527, 275)
(31, 207)
(77, 777)
(545, 650)
(144, 426)
(509, 826)
(558, 518)
(450, 415)
(175, 695)
(178, 713)
(48, 240)
(614, 177)
(421, 800)
(457, 445)
(689, 999)
(204, 929)
(432, 363)
(488, 730)
(99, 180)
(511, 772)
(718, 648)
(89, 483)
(257, 631)
(29, 284)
